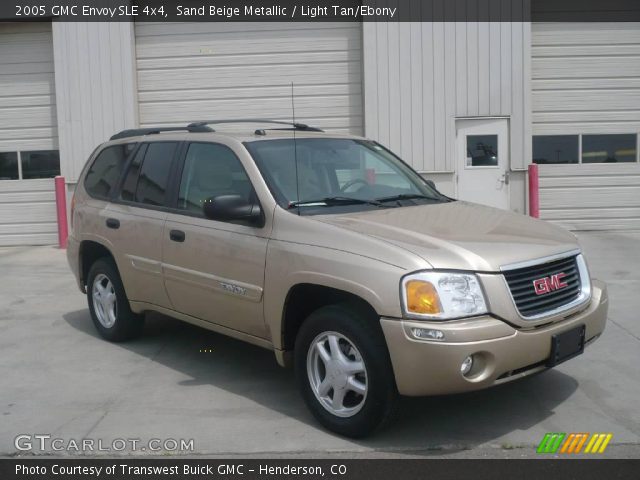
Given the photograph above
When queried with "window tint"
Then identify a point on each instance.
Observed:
(609, 148)
(154, 175)
(211, 170)
(8, 165)
(131, 180)
(106, 169)
(555, 148)
(40, 164)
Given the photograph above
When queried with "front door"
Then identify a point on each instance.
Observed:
(482, 153)
(214, 270)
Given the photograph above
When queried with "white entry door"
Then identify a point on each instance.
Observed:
(482, 152)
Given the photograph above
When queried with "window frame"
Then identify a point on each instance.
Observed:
(19, 152)
(117, 191)
(89, 165)
(580, 135)
(179, 171)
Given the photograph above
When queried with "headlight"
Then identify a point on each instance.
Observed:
(442, 295)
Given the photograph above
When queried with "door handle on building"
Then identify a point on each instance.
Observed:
(504, 178)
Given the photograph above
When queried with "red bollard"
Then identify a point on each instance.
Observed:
(534, 191)
(61, 208)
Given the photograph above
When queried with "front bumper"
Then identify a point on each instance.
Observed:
(504, 353)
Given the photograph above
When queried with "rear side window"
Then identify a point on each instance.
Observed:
(153, 176)
(106, 170)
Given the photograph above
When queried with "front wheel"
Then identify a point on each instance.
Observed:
(343, 370)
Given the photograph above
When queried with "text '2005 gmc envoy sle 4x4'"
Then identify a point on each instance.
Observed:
(332, 252)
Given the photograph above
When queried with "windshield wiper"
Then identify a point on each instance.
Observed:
(331, 201)
(405, 196)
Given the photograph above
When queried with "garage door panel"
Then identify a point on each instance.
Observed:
(598, 197)
(576, 67)
(607, 83)
(188, 72)
(595, 181)
(282, 91)
(285, 58)
(27, 117)
(36, 212)
(603, 224)
(144, 29)
(27, 122)
(239, 44)
(184, 111)
(566, 100)
(584, 33)
(35, 84)
(592, 213)
(248, 75)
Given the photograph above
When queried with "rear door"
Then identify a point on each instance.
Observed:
(136, 220)
(214, 270)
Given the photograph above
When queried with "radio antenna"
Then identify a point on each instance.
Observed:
(295, 148)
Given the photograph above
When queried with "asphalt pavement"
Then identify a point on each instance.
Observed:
(226, 398)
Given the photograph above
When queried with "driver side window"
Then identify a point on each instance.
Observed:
(211, 170)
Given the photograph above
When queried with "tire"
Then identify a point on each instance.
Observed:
(113, 319)
(362, 343)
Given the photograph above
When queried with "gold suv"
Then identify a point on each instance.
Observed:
(332, 252)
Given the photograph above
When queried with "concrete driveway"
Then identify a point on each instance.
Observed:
(57, 377)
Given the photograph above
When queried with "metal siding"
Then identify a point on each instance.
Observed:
(27, 122)
(189, 72)
(457, 69)
(591, 197)
(95, 83)
(586, 79)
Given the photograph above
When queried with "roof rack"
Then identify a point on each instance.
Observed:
(137, 132)
(296, 125)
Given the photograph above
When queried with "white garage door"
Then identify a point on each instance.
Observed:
(28, 135)
(586, 120)
(203, 71)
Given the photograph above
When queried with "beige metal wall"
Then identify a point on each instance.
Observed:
(419, 77)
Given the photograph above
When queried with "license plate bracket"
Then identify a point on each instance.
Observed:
(566, 345)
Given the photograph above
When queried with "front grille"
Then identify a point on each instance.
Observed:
(521, 284)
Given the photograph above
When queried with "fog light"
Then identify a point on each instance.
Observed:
(466, 365)
(427, 334)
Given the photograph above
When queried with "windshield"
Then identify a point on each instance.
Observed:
(334, 175)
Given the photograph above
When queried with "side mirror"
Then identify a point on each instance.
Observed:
(431, 184)
(229, 208)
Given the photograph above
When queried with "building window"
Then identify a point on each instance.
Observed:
(40, 164)
(609, 148)
(29, 164)
(9, 166)
(556, 148)
(601, 148)
(482, 150)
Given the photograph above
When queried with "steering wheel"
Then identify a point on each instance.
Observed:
(350, 183)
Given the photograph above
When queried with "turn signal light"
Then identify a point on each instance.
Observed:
(422, 297)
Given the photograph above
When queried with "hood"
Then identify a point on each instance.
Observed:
(460, 235)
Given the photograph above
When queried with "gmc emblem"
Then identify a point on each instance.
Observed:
(549, 284)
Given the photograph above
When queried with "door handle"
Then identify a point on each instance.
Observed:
(177, 235)
(505, 178)
(113, 223)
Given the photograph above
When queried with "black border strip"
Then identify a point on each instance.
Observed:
(301, 10)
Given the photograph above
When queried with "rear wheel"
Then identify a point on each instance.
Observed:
(343, 370)
(108, 303)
